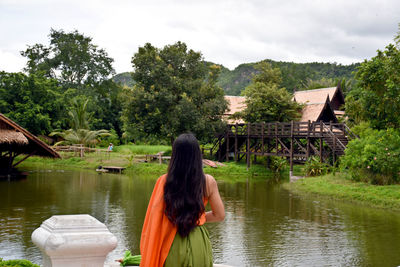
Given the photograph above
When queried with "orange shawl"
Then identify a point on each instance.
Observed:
(158, 232)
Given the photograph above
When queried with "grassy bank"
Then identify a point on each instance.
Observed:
(132, 157)
(339, 188)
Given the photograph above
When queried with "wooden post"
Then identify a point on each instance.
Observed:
(268, 157)
(236, 143)
(320, 140)
(227, 146)
(219, 148)
(291, 148)
(308, 139)
(248, 146)
(333, 150)
(276, 138)
(262, 138)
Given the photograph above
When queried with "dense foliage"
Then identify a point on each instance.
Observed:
(71, 58)
(266, 101)
(34, 102)
(297, 76)
(314, 167)
(377, 96)
(294, 75)
(82, 70)
(375, 157)
(175, 92)
(17, 263)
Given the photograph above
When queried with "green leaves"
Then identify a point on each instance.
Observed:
(265, 101)
(375, 157)
(33, 101)
(175, 92)
(71, 58)
(377, 98)
(129, 259)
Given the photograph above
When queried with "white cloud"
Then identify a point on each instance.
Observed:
(229, 32)
(10, 62)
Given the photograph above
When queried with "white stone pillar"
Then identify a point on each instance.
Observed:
(73, 240)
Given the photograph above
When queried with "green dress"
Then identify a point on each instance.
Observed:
(193, 250)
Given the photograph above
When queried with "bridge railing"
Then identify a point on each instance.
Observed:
(312, 129)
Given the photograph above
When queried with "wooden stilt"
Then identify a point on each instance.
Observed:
(291, 148)
(248, 147)
(236, 143)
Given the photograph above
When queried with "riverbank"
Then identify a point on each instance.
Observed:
(133, 158)
(338, 187)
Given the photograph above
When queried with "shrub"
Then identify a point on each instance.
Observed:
(17, 263)
(277, 164)
(314, 167)
(113, 138)
(374, 158)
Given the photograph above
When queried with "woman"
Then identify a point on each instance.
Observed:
(173, 232)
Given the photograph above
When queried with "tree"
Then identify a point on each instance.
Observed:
(76, 63)
(34, 102)
(71, 58)
(175, 92)
(377, 97)
(79, 133)
(265, 101)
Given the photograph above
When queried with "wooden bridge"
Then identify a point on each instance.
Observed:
(297, 141)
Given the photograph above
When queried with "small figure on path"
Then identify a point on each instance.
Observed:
(110, 147)
(173, 231)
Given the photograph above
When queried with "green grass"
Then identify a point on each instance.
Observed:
(132, 156)
(340, 188)
(142, 149)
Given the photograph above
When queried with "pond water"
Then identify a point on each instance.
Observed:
(265, 225)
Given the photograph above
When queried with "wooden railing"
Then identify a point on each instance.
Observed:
(311, 129)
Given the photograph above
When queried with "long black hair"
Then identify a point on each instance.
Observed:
(185, 186)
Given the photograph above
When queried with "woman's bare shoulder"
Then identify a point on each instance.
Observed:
(211, 183)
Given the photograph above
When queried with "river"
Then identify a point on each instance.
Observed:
(265, 224)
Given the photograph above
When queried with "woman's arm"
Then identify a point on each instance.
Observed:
(217, 213)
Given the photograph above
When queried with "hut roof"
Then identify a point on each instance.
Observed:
(318, 111)
(235, 104)
(26, 143)
(315, 96)
(12, 137)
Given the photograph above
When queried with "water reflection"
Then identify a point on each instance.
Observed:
(265, 225)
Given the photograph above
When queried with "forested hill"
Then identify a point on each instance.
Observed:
(294, 75)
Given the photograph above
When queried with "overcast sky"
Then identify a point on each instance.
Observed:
(228, 32)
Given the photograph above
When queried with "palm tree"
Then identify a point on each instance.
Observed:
(79, 123)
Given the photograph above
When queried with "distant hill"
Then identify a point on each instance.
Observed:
(124, 78)
(294, 75)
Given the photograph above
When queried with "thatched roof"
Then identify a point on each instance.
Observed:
(315, 96)
(23, 141)
(318, 96)
(317, 112)
(235, 104)
(12, 137)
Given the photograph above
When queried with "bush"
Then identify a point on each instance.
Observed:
(374, 158)
(314, 167)
(17, 263)
(113, 138)
(277, 164)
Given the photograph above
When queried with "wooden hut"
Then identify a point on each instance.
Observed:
(318, 112)
(319, 96)
(14, 141)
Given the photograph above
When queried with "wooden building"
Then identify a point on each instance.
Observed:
(318, 132)
(14, 141)
(315, 102)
